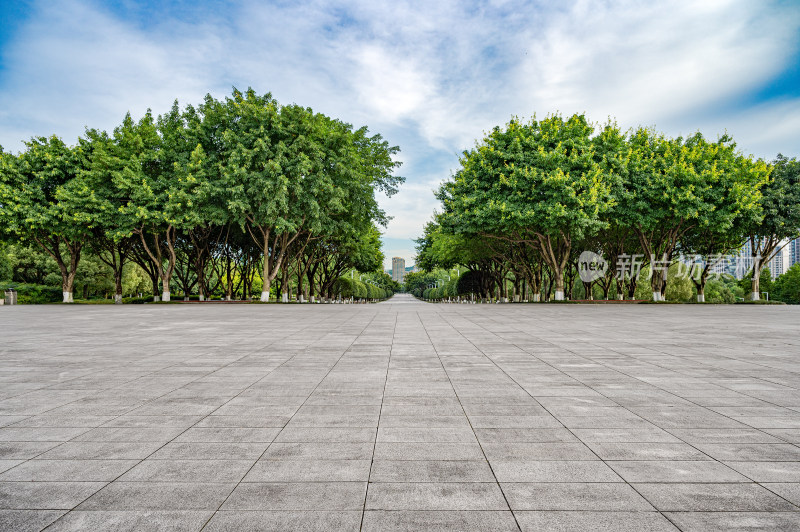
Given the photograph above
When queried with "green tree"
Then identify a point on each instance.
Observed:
(732, 204)
(786, 287)
(675, 186)
(764, 281)
(780, 204)
(290, 173)
(6, 270)
(37, 193)
(718, 292)
(539, 181)
(104, 200)
(156, 189)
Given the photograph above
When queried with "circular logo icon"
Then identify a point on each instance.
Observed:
(591, 266)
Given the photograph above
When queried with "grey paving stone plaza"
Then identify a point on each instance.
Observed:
(399, 416)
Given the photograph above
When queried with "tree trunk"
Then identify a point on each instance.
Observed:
(558, 278)
(657, 278)
(632, 288)
(285, 283)
(117, 288)
(67, 273)
(700, 284)
(587, 291)
(266, 279)
(657, 295)
(165, 273)
(164, 289)
(620, 289)
(67, 287)
(755, 291)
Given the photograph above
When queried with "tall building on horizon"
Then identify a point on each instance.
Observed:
(398, 269)
(794, 252)
(782, 261)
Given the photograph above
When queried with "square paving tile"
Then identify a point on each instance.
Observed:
(297, 496)
(435, 496)
(716, 497)
(580, 521)
(574, 496)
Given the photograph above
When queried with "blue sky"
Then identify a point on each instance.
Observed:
(431, 77)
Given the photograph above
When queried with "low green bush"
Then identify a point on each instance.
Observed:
(137, 300)
(32, 294)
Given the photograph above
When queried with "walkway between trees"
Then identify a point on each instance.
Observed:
(399, 415)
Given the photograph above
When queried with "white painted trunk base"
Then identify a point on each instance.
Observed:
(264, 296)
(67, 297)
(559, 295)
(165, 296)
(537, 297)
(117, 299)
(701, 298)
(156, 299)
(284, 297)
(201, 297)
(755, 296)
(656, 296)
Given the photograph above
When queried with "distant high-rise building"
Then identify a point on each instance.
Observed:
(780, 262)
(398, 269)
(778, 265)
(794, 251)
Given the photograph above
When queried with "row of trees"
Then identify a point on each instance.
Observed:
(242, 192)
(530, 197)
(37, 279)
(443, 285)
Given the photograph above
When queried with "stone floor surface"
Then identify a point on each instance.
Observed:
(400, 416)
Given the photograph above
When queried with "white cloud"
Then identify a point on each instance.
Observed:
(630, 61)
(390, 85)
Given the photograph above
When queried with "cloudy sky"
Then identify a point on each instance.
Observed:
(431, 77)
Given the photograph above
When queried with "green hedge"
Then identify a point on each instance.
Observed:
(356, 289)
(28, 294)
(137, 300)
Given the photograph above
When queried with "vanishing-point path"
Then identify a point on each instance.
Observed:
(399, 416)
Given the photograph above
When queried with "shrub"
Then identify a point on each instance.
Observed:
(786, 288)
(137, 300)
(450, 288)
(359, 290)
(678, 288)
(344, 287)
(29, 294)
(719, 292)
